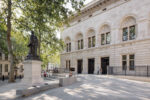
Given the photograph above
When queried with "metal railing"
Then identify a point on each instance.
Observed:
(129, 71)
(56, 73)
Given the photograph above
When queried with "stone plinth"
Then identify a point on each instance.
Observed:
(67, 81)
(32, 72)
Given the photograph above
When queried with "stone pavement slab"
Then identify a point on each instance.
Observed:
(97, 87)
(8, 91)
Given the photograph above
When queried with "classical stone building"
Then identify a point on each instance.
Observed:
(5, 66)
(108, 33)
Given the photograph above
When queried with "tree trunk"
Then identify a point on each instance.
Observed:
(9, 44)
(39, 47)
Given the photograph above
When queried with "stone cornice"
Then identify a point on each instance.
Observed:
(89, 9)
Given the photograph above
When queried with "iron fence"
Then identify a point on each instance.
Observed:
(129, 71)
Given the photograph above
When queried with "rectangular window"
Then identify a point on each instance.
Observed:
(0, 56)
(93, 41)
(81, 43)
(68, 64)
(69, 47)
(132, 32)
(89, 42)
(124, 62)
(108, 38)
(6, 67)
(78, 44)
(0, 68)
(131, 62)
(6, 57)
(125, 34)
(102, 39)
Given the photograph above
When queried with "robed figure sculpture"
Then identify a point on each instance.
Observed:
(33, 45)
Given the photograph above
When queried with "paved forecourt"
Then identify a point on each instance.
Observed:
(97, 87)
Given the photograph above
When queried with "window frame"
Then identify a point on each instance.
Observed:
(1, 68)
(68, 47)
(124, 67)
(128, 62)
(131, 59)
(6, 67)
(80, 44)
(104, 38)
(1, 56)
(128, 29)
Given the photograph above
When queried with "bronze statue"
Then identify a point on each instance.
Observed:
(33, 45)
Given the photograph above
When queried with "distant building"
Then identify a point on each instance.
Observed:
(5, 66)
(52, 66)
(108, 33)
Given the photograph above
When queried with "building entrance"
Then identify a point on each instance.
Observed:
(91, 66)
(104, 64)
(80, 66)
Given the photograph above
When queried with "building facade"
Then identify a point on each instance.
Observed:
(5, 67)
(108, 33)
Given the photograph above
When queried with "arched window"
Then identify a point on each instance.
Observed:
(68, 44)
(129, 29)
(79, 41)
(105, 35)
(91, 38)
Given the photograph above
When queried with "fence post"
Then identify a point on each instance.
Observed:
(147, 70)
(125, 70)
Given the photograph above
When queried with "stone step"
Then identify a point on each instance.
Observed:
(34, 90)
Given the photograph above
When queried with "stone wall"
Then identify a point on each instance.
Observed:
(114, 17)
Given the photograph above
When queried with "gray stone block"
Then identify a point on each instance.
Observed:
(67, 81)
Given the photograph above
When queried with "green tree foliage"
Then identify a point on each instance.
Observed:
(44, 17)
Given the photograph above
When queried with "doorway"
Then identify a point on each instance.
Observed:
(91, 66)
(80, 66)
(104, 64)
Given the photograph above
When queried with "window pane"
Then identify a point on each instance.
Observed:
(89, 42)
(131, 64)
(132, 32)
(108, 38)
(124, 57)
(93, 41)
(124, 65)
(0, 68)
(125, 34)
(6, 68)
(69, 64)
(6, 57)
(102, 39)
(82, 44)
(66, 64)
(69, 46)
(78, 44)
(131, 56)
(0, 56)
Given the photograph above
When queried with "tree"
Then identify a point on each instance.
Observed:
(42, 16)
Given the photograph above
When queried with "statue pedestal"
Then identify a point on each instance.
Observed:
(32, 72)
